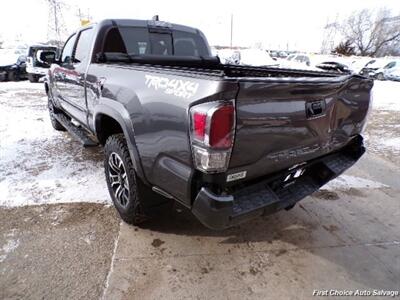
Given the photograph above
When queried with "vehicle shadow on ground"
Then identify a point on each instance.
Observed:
(181, 221)
(299, 235)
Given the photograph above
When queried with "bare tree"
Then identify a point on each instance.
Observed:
(372, 33)
(344, 48)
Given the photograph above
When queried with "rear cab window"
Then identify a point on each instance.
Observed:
(189, 44)
(142, 41)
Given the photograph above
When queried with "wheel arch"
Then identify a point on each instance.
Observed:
(108, 121)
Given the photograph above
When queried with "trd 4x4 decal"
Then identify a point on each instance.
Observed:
(176, 87)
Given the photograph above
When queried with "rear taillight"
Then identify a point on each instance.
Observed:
(222, 127)
(199, 125)
(212, 133)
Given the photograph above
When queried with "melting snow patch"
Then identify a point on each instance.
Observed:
(392, 143)
(346, 182)
(39, 165)
(9, 247)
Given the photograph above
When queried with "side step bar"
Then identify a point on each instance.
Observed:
(78, 133)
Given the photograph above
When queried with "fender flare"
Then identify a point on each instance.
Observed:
(121, 116)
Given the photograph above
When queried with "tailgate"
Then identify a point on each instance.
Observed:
(286, 121)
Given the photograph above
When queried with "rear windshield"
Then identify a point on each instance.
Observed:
(141, 41)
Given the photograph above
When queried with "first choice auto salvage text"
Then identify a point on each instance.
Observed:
(362, 293)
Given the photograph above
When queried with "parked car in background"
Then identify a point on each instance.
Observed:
(394, 74)
(300, 58)
(278, 54)
(254, 57)
(282, 54)
(36, 65)
(226, 55)
(274, 54)
(357, 63)
(13, 64)
(372, 66)
(334, 66)
(383, 73)
(297, 61)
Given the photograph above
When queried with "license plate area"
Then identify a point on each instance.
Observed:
(290, 177)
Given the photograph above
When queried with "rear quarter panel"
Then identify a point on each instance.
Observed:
(154, 104)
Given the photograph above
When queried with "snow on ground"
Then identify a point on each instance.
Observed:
(346, 182)
(386, 95)
(383, 129)
(38, 164)
(9, 247)
(394, 143)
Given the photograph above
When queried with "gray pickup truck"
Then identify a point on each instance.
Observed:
(228, 142)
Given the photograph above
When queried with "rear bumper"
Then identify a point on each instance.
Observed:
(271, 194)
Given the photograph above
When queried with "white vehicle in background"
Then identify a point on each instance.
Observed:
(384, 73)
(225, 55)
(372, 66)
(36, 65)
(297, 61)
(356, 63)
(394, 74)
(254, 57)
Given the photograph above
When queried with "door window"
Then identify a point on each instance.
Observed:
(68, 49)
(83, 46)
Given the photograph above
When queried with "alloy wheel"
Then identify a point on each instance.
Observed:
(118, 179)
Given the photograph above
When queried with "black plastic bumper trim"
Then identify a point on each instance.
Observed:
(271, 194)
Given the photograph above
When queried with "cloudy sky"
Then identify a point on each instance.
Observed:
(276, 24)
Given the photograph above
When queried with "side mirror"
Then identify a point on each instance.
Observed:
(48, 57)
(21, 59)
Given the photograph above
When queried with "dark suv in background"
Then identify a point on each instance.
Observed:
(13, 64)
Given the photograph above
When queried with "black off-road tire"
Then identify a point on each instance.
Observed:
(52, 110)
(12, 76)
(33, 78)
(143, 203)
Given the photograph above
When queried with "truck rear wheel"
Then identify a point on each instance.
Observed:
(134, 201)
